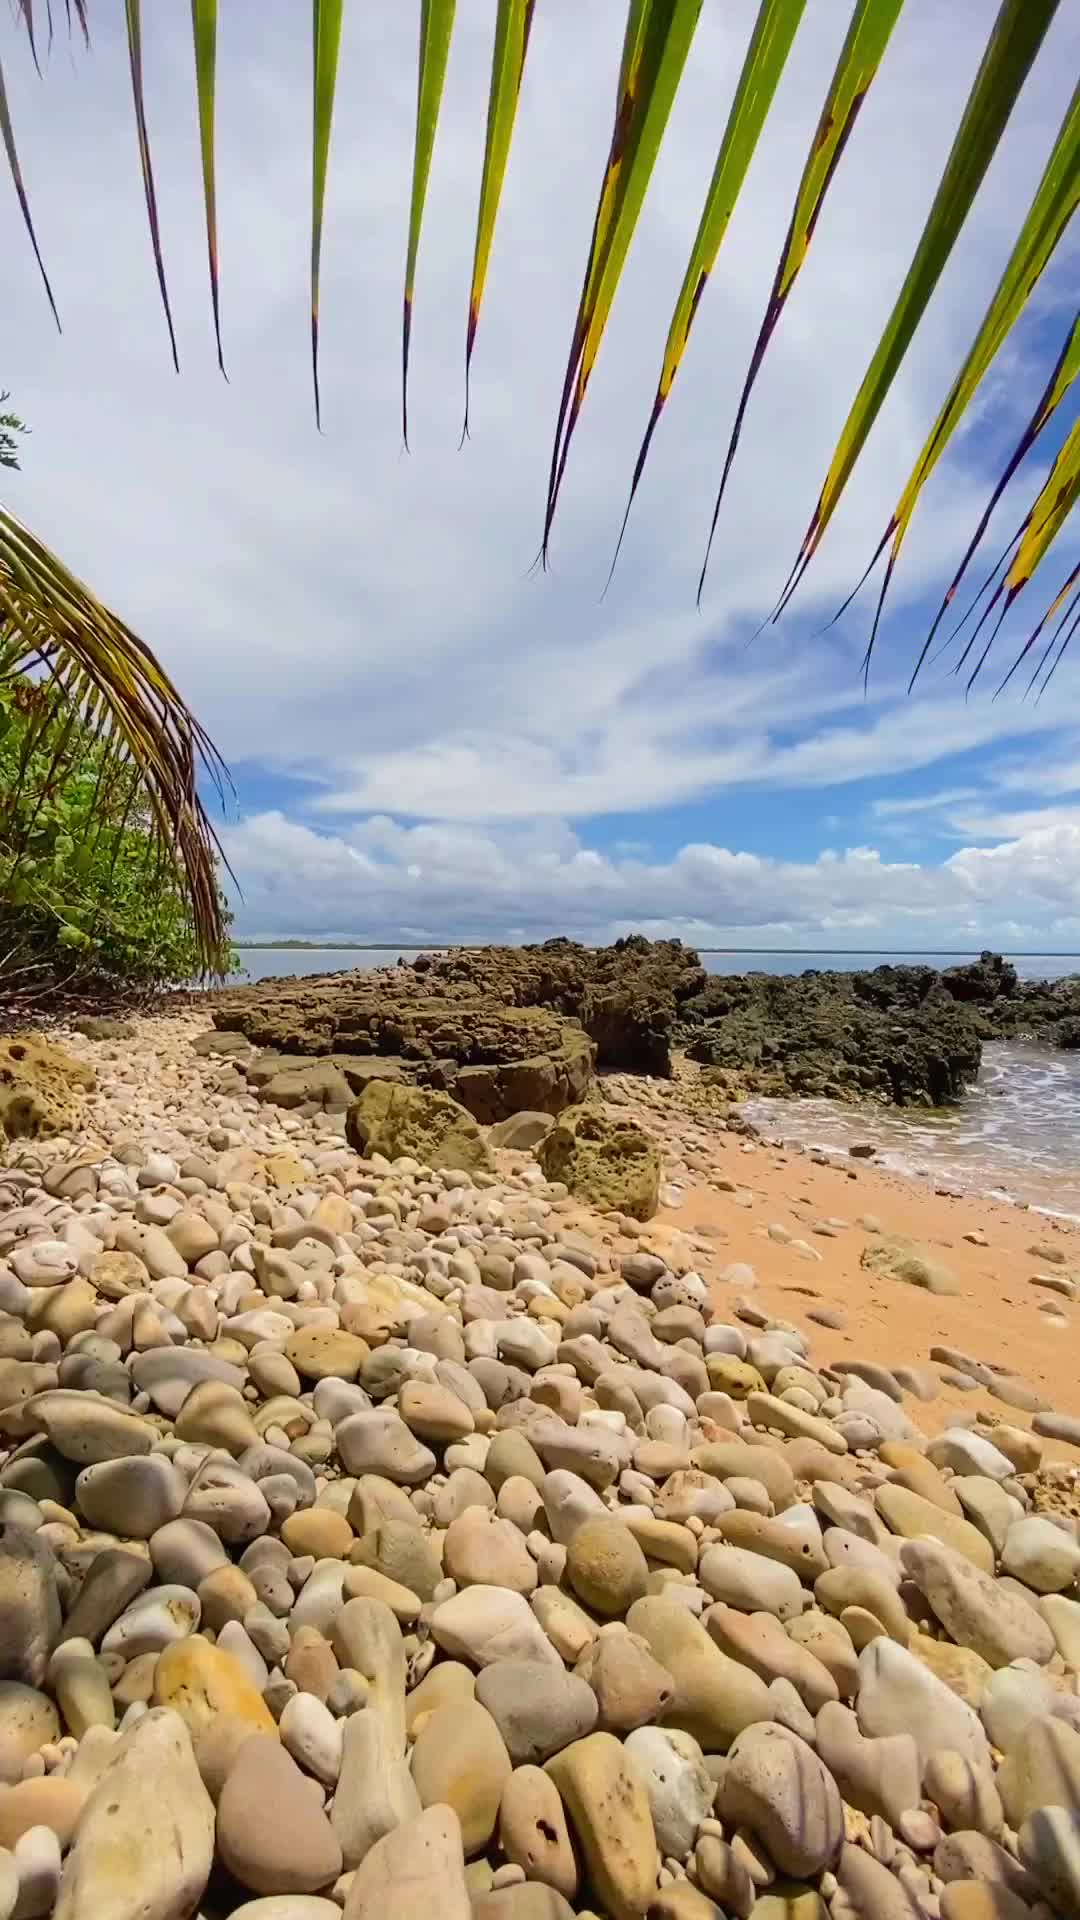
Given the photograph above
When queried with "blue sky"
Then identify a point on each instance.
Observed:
(427, 738)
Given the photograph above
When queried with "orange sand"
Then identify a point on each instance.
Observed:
(995, 1318)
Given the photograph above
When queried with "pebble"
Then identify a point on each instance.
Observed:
(407, 1517)
(413, 1872)
(460, 1760)
(272, 1833)
(128, 1861)
(775, 1784)
(537, 1709)
(608, 1806)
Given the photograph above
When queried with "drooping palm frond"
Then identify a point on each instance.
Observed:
(436, 28)
(1018, 33)
(657, 43)
(1056, 199)
(655, 47)
(1036, 534)
(326, 45)
(52, 626)
(204, 34)
(512, 25)
(133, 10)
(861, 56)
(7, 135)
(766, 58)
(1061, 379)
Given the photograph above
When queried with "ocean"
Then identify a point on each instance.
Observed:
(1016, 1134)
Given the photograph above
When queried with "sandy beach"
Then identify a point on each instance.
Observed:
(998, 1316)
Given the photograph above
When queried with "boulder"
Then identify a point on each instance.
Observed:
(417, 1122)
(607, 1163)
(41, 1087)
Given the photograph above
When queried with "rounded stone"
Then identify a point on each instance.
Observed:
(459, 1760)
(28, 1721)
(776, 1785)
(200, 1682)
(533, 1832)
(272, 1833)
(537, 1710)
(605, 1566)
(480, 1549)
(1041, 1554)
(133, 1497)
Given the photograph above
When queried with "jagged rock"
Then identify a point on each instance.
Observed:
(41, 1087)
(608, 1163)
(418, 1122)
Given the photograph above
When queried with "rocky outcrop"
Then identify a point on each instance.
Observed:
(509, 1028)
(323, 1040)
(41, 1087)
(626, 996)
(891, 1034)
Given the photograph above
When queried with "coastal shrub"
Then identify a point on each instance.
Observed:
(88, 900)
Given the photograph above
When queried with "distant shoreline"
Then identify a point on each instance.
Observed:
(799, 953)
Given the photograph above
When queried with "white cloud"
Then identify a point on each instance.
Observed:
(383, 880)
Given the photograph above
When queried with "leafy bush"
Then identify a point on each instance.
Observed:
(88, 901)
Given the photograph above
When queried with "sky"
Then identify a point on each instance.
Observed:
(430, 738)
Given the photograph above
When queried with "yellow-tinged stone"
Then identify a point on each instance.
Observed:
(735, 1377)
(785, 1900)
(609, 1807)
(961, 1668)
(201, 1682)
(284, 1170)
(334, 1211)
(914, 1518)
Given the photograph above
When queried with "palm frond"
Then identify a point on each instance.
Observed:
(204, 34)
(1018, 33)
(133, 12)
(52, 626)
(436, 27)
(1061, 379)
(1056, 199)
(7, 135)
(326, 45)
(766, 58)
(655, 48)
(512, 24)
(861, 55)
(657, 42)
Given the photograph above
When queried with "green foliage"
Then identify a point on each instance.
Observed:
(87, 895)
(10, 425)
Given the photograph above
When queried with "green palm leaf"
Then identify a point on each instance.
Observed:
(766, 57)
(512, 25)
(436, 27)
(133, 9)
(861, 55)
(51, 624)
(1018, 33)
(1061, 379)
(326, 44)
(655, 46)
(204, 32)
(7, 134)
(1056, 200)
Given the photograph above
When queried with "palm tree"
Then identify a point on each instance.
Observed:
(96, 659)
